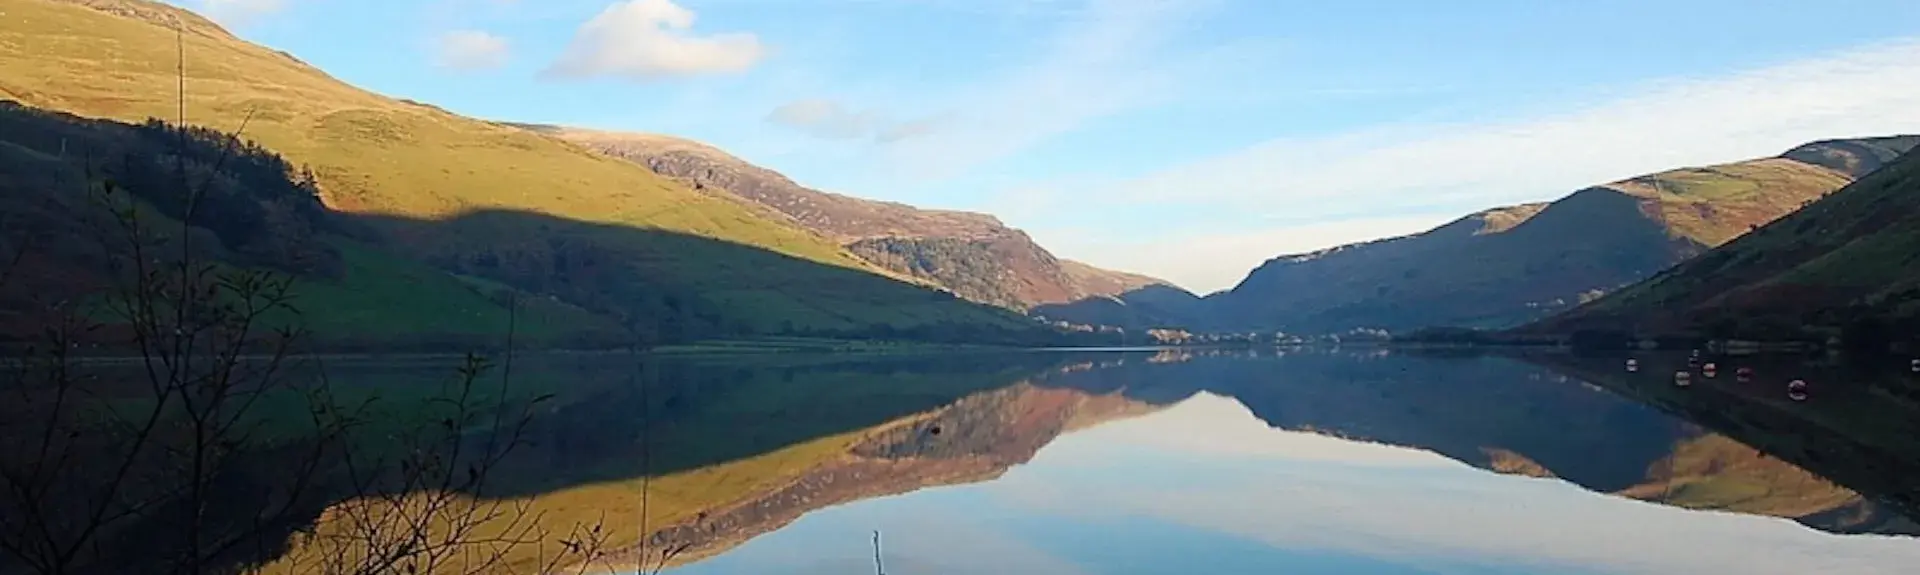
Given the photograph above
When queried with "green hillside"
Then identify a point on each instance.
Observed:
(1849, 261)
(473, 197)
(254, 213)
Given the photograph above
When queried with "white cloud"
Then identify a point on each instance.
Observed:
(828, 119)
(470, 50)
(652, 39)
(824, 118)
(1655, 126)
(241, 12)
(1647, 128)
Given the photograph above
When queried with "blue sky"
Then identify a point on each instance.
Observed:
(1189, 139)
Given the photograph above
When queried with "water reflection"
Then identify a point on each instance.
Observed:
(1206, 486)
(1509, 416)
(1333, 489)
(1305, 461)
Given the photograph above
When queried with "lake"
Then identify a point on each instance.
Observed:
(1116, 462)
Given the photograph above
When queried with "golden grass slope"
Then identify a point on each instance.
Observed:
(373, 154)
(1712, 205)
(1848, 256)
(381, 156)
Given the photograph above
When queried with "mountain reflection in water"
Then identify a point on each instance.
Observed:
(1111, 462)
(1206, 486)
(1351, 416)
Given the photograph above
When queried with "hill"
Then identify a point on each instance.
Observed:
(1846, 263)
(61, 177)
(1153, 306)
(974, 255)
(476, 198)
(1509, 265)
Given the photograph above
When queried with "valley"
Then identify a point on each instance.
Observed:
(648, 239)
(486, 287)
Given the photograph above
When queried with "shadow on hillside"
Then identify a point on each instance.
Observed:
(1149, 307)
(251, 208)
(674, 287)
(645, 276)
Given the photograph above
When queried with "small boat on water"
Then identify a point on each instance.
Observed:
(1797, 390)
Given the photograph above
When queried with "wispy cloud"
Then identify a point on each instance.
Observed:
(832, 120)
(653, 39)
(1108, 57)
(1651, 127)
(241, 12)
(1463, 167)
(470, 50)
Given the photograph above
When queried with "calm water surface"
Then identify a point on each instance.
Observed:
(1320, 463)
(1110, 462)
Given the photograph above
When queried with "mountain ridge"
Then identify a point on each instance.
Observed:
(975, 255)
(1835, 265)
(1509, 265)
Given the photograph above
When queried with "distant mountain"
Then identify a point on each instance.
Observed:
(1146, 307)
(974, 255)
(1506, 266)
(1849, 262)
(472, 198)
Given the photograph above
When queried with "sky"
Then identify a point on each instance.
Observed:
(1186, 139)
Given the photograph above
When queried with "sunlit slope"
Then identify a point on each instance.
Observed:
(1848, 257)
(425, 172)
(1511, 265)
(975, 255)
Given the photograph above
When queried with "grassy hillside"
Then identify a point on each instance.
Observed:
(253, 213)
(974, 255)
(1510, 265)
(474, 197)
(1844, 263)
